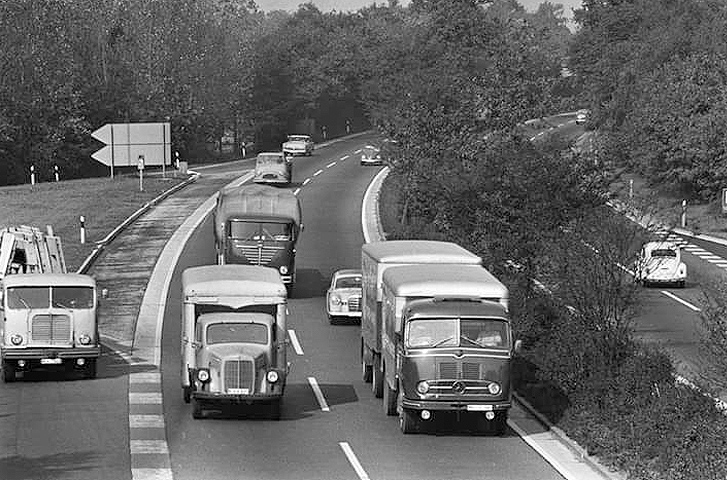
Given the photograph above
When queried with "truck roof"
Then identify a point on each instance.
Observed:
(440, 307)
(232, 281)
(49, 279)
(443, 280)
(419, 251)
(255, 199)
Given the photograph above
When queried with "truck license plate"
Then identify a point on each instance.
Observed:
(238, 391)
(50, 361)
(479, 408)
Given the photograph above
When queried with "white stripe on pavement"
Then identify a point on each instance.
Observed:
(683, 302)
(330, 164)
(295, 342)
(344, 157)
(318, 173)
(348, 451)
(306, 181)
(148, 446)
(145, 398)
(146, 421)
(319, 394)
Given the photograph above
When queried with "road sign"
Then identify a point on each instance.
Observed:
(126, 142)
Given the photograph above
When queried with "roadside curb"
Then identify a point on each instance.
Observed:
(101, 244)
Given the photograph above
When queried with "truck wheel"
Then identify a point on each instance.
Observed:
(196, 408)
(8, 372)
(377, 382)
(275, 410)
(366, 372)
(500, 423)
(390, 399)
(89, 370)
(408, 421)
(187, 394)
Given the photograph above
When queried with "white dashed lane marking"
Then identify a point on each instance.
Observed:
(330, 164)
(319, 394)
(318, 173)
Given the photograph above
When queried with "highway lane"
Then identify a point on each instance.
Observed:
(328, 436)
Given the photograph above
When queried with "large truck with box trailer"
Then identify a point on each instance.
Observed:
(233, 337)
(376, 257)
(447, 344)
(258, 225)
(48, 317)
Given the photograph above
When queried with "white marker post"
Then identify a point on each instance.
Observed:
(32, 175)
(83, 229)
(55, 171)
(140, 166)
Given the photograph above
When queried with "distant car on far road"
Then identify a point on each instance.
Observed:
(660, 263)
(582, 116)
(371, 155)
(298, 145)
(343, 298)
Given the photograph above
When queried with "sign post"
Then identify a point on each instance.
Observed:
(140, 166)
(724, 201)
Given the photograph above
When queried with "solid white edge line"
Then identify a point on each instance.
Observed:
(348, 451)
(371, 190)
(330, 164)
(683, 302)
(344, 157)
(319, 394)
(318, 173)
(294, 341)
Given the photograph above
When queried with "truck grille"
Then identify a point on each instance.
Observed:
(458, 371)
(354, 304)
(239, 374)
(51, 329)
(258, 256)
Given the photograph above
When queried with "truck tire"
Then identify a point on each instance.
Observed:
(500, 423)
(89, 369)
(408, 421)
(197, 408)
(390, 399)
(187, 394)
(275, 409)
(8, 372)
(366, 370)
(377, 380)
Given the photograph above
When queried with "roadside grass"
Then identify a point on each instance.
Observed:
(104, 202)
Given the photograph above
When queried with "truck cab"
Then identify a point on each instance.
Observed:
(49, 320)
(234, 337)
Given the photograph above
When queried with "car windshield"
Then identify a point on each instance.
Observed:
(237, 333)
(369, 150)
(469, 332)
(348, 282)
(270, 159)
(280, 232)
(663, 252)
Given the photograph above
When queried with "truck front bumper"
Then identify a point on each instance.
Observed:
(226, 398)
(449, 405)
(10, 353)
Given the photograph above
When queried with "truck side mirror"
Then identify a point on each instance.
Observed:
(518, 345)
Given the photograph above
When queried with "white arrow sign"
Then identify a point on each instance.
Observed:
(125, 142)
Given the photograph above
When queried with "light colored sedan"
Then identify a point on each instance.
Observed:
(371, 155)
(298, 145)
(343, 298)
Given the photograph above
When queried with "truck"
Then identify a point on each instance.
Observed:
(258, 225)
(234, 337)
(49, 320)
(376, 257)
(447, 344)
(26, 249)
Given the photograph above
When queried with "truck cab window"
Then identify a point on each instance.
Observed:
(28, 297)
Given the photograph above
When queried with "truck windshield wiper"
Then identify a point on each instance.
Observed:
(444, 340)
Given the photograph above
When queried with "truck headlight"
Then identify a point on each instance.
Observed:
(273, 376)
(494, 388)
(203, 375)
(423, 387)
(84, 339)
(336, 300)
(16, 339)
(283, 269)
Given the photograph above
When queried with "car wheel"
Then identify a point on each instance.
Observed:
(682, 283)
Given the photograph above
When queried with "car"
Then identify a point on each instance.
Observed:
(371, 155)
(660, 263)
(274, 168)
(298, 145)
(343, 298)
(582, 116)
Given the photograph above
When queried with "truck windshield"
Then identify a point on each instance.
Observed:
(453, 332)
(73, 297)
(280, 232)
(237, 333)
(28, 297)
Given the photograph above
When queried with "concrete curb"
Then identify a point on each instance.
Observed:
(131, 219)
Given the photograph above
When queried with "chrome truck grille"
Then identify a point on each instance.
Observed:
(354, 304)
(239, 374)
(458, 371)
(259, 255)
(51, 329)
